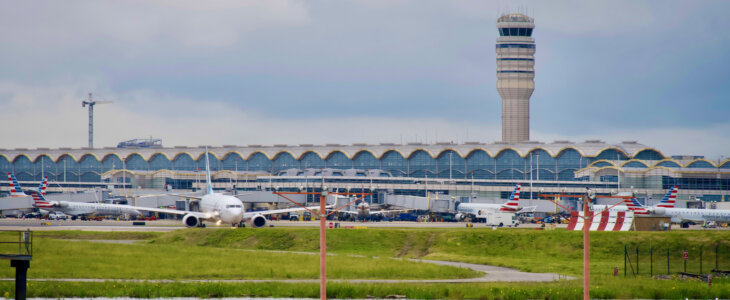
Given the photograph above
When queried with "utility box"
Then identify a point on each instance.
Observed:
(649, 223)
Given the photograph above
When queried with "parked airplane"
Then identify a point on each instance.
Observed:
(478, 209)
(682, 215)
(364, 211)
(83, 208)
(17, 191)
(221, 209)
(632, 204)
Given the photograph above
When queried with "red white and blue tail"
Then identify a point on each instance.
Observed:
(43, 186)
(513, 204)
(15, 189)
(670, 199)
(634, 205)
(39, 200)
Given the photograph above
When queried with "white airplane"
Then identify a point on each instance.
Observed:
(79, 208)
(221, 208)
(364, 211)
(667, 201)
(478, 209)
(681, 215)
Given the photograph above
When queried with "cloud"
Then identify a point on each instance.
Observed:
(58, 120)
(136, 23)
(264, 72)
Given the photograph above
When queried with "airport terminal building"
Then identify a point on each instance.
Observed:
(414, 168)
(457, 170)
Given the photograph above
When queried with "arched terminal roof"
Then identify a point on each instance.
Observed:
(591, 148)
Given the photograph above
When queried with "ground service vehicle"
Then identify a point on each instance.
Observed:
(57, 215)
(500, 219)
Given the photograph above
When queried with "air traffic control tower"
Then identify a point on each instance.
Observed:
(515, 74)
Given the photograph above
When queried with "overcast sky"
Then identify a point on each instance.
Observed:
(291, 72)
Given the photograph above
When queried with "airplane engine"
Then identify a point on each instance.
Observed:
(191, 221)
(459, 217)
(257, 221)
(657, 211)
(62, 204)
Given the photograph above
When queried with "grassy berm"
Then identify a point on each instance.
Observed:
(367, 253)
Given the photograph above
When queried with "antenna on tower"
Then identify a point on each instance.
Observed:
(91, 104)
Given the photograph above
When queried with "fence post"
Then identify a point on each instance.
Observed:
(668, 260)
(626, 255)
(651, 262)
(637, 259)
(700, 259)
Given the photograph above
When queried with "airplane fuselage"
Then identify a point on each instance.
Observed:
(223, 208)
(692, 214)
(99, 209)
(478, 209)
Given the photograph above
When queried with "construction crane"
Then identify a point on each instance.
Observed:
(91, 104)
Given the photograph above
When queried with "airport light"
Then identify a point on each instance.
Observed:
(591, 194)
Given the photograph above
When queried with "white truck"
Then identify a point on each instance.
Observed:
(499, 219)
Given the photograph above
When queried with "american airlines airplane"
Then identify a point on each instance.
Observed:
(668, 201)
(222, 209)
(82, 208)
(681, 215)
(478, 209)
(17, 191)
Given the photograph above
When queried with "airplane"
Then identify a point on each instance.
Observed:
(17, 191)
(76, 209)
(633, 204)
(363, 211)
(222, 209)
(683, 215)
(478, 209)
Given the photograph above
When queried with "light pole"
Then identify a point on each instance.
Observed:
(587, 215)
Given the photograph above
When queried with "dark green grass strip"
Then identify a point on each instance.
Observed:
(600, 289)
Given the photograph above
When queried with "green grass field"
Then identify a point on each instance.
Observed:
(216, 254)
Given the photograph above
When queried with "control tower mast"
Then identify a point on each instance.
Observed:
(515, 74)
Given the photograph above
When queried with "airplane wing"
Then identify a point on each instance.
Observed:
(250, 214)
(348, 212)
(185, 196)
(174, 211)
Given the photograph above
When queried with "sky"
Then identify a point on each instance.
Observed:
(315, 72)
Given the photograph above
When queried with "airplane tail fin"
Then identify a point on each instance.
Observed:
(43, 186)
(39, 200)
(634, 203)
(207, 173)
(513, 203)
(15, 189)
(670, 198)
